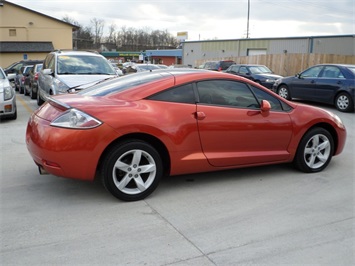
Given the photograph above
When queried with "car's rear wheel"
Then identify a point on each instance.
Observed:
(131, 170)
(284, 92)
(344, 103)
(314, 151)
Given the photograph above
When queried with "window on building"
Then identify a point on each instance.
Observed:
(12, 32)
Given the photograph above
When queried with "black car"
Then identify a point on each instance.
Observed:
(32, 87)
(325, 83)
(22, 78)
(218, 65)
(12, 70)
(258, 73)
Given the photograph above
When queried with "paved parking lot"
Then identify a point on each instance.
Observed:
(270, 215)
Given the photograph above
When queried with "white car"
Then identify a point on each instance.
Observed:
(69, 71)
(7, 98)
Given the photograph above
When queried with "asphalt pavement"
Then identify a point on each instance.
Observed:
(271, 215)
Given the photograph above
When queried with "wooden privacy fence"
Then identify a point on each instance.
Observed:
(290, 64)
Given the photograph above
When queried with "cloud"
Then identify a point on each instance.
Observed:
(210, 19)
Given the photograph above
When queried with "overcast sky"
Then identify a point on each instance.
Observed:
(210, 19)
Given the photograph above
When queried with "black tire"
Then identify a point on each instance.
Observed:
(39, 99)
(33, 95)
(314, 151)
(344, 102)
(125, 172)
(284, 92)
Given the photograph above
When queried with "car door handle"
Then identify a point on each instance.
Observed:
(339, 82)
(200, 115)
(313, 81)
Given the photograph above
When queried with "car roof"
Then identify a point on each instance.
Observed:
(72, 52)
(343, 65)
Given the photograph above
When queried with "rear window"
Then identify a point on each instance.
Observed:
(352, 69)
(211, 65)
(226, 64)
(122, 83)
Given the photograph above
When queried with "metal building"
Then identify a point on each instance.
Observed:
(197, 51)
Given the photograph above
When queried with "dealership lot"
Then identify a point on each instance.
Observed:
(266, 215)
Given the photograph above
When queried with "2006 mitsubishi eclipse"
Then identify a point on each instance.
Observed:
(133, 130)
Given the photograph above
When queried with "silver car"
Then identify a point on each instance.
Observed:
(7, 98)
(69, 71)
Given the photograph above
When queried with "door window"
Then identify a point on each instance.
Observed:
(181, 94)
(312, 72)
(332, 72)
(226, 93)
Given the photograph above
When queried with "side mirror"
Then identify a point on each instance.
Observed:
(47, 71)
(265, 106)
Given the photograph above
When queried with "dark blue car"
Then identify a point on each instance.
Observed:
(258, 73)
(326, 83)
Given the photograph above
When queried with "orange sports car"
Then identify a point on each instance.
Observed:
(131, 131)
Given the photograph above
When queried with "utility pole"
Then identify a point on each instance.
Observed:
(248, 19)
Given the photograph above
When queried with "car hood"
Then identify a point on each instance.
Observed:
(289, 78)
(82, 81)
(273, 76)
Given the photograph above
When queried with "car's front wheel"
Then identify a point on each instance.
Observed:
(314, 151)
(39, 99)
(284, 92)
(33, 94)
(131, 170)
(344, 103)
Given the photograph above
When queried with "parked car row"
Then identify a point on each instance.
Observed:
(66, 71)
(12, 70)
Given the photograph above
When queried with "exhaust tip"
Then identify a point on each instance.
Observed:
(42, 171)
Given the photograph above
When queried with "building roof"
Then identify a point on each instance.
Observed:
(172, 52)
(272, 38)
(26, 47)
(3, 2)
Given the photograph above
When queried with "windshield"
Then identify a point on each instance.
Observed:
(148, 67)
(352, 69)
(84, 65)
(2, 75)
(259, 70)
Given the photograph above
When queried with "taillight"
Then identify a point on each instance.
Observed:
(23, 79)
(219, 69)
(36, 76)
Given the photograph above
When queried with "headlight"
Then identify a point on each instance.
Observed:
(60, 86)
(8, 93)
(74, 118)
(277, 82)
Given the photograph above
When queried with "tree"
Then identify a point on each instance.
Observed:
(82, 37)
(98, 31)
